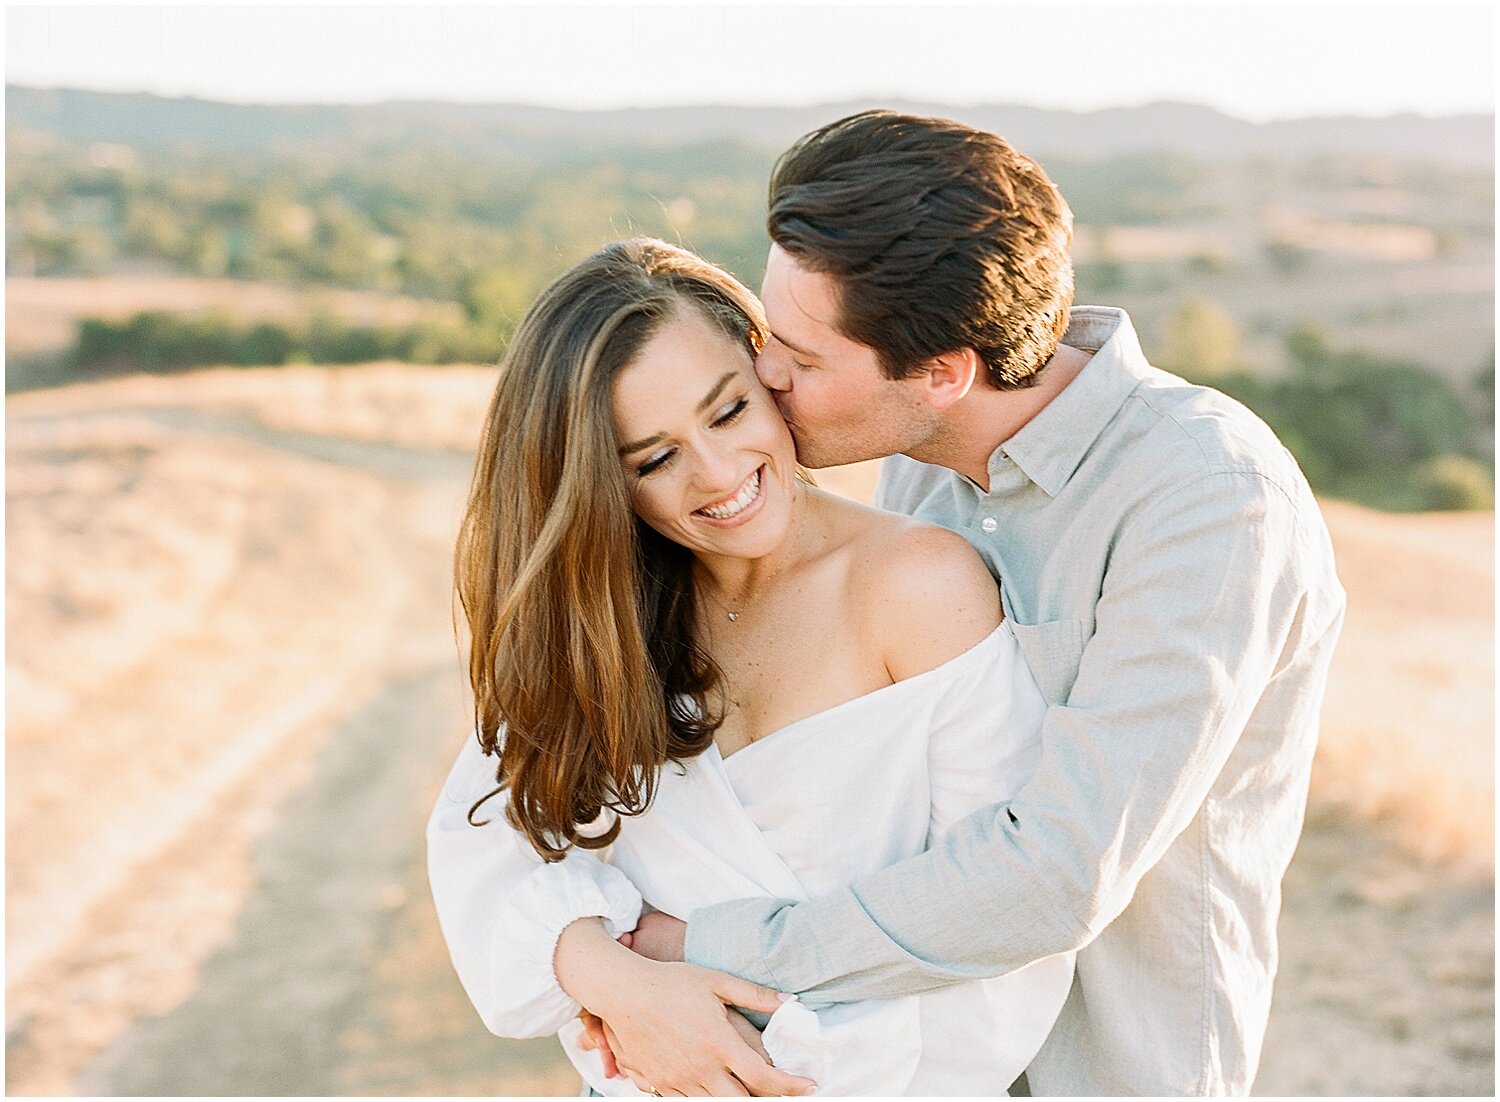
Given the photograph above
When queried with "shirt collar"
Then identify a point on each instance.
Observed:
(1049, 447)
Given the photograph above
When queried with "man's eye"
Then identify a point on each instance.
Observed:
(731, 413)
(655, 463)
(799, 365)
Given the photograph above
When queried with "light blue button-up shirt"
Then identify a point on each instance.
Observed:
(1171, 580)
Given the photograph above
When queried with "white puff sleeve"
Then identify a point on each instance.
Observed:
(502, 909)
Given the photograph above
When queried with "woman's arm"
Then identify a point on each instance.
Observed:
(502, 910)
(534, 943)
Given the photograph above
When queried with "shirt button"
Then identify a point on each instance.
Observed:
(989, 524)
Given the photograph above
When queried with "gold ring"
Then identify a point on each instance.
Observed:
(656, 1092)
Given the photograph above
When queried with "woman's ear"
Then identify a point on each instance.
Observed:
(948, 376)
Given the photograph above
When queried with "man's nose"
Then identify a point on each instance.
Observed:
(771, 369)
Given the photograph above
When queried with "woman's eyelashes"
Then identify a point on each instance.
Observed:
(729, 414)
(655, 463)
(724, 416)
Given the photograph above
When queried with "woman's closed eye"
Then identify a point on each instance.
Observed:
(729, 414)
(655, 462)
(726, 415)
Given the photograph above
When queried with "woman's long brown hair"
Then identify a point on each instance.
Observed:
(586, 675)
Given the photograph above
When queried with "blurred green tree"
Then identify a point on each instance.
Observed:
(1202, 341)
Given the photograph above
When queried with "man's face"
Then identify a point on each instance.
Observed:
(838, 405)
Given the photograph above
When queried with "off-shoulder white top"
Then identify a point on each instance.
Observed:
(802, 811)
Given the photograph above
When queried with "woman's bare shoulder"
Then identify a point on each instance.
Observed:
(923, 592)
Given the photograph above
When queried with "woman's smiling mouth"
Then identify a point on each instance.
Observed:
(737, 507)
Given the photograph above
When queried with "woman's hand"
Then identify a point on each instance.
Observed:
(730, 1084)
(671, 1026)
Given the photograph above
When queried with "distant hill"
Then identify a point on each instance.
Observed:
(509, 130)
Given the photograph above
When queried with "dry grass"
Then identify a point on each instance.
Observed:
(168, 628)
(1410, 713)
(1408, 730)
(187, 609)
(413, 407)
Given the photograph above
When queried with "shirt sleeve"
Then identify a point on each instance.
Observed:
(502, 909)
(1198, 602)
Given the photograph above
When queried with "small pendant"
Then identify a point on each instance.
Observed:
(734, 615)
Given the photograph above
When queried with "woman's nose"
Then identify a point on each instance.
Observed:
(719, 469)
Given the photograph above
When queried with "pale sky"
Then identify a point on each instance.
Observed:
(1258, 62)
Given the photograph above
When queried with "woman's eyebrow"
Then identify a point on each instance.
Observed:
(626, 449)
(714, 393)
(718, 388)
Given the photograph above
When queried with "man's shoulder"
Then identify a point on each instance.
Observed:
(1183, 432)
(905, 484)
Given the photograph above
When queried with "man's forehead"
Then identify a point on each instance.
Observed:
(801, 305)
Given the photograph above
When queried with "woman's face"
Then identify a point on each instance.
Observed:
(707, 459)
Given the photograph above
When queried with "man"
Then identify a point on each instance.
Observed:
(1164, 566)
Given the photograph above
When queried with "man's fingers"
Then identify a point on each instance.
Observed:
(607, 1058)
(594, 1036)
(764, 1081)
(747, 1032)
(640, 1083)
(724, 1085)
(751, 996)
(751, 1065)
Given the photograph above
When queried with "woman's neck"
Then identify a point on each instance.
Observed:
(735, 582)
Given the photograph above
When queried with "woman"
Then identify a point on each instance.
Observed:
(738, 683)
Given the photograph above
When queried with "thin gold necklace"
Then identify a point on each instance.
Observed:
(734, 613)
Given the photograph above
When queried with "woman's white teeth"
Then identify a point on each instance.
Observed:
(747, 494)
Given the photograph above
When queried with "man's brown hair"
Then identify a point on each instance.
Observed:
(939, 236)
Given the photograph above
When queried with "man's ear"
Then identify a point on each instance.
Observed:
(948, 376)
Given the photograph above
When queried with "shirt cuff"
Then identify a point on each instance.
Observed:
(725, 937)
(524, 987)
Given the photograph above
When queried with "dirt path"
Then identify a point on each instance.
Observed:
(286, 944)
(1387, 976)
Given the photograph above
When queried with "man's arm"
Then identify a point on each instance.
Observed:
(1196, 607)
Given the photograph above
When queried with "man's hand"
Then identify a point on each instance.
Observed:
(670, 1026)
(658, 936)
(675, 1031)
(594, 1037)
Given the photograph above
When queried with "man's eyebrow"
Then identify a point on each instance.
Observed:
(800, 351)
(718, 388)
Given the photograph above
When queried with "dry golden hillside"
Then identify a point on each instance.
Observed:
(232, 690)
